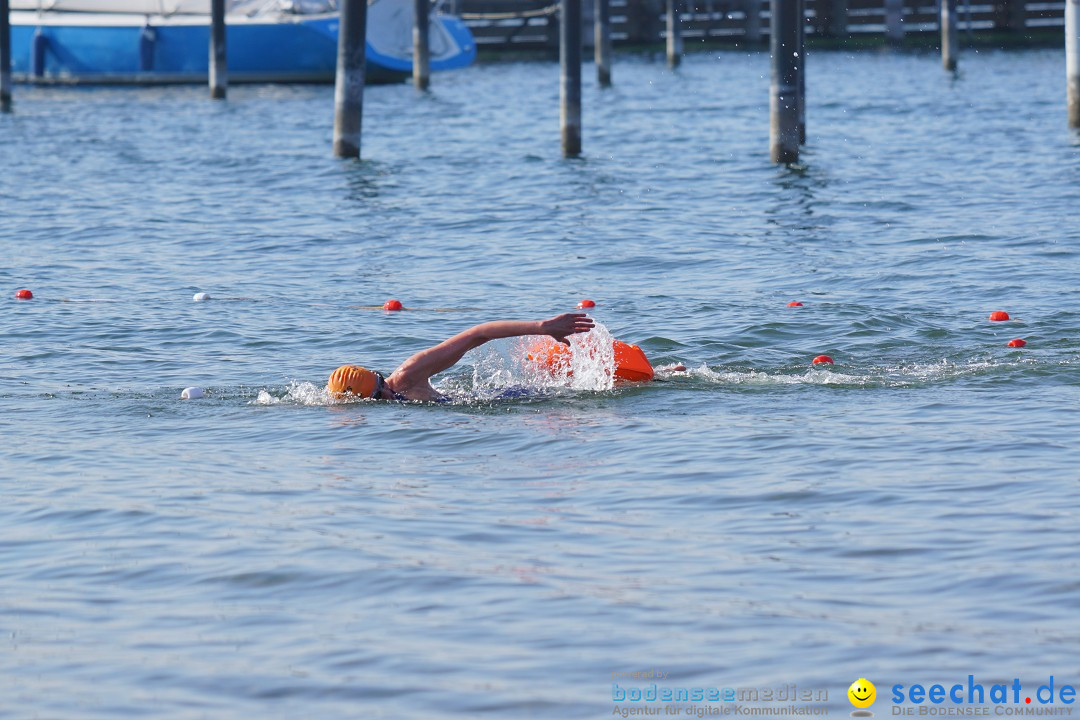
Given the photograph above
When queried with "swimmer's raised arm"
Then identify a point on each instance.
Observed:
(426, 363)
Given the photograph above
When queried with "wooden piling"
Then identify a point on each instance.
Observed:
(421, 55)
(219, 76)
(784, 87)
(949, 38)
(674, 36)
(602, 41)
(894, 21)
(1009, 15)
(551, 34)
(752, 10)
(570, 77)
(5, 56)
(823, 18)
(837, 26)
(800, 66)
(1072, 60)
(710, 17)
(830, 18)
(349, 82)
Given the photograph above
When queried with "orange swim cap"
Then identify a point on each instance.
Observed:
(354, 379)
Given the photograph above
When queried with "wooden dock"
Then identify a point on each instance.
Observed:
(531, 26)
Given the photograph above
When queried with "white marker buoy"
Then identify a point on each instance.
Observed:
(192, 393)
(201, 297)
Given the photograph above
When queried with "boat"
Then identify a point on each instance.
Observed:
(167, 41)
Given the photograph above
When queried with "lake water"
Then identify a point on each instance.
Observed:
(906, 515)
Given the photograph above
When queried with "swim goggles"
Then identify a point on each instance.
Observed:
(380, 381)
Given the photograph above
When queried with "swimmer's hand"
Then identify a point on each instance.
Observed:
(562, 326)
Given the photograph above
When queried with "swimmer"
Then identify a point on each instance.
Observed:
(412, 379)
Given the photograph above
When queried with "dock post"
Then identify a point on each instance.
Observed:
(949, 39)
(674, 37)
(219, 76)
(349, 81)
(752, 10)
(421, 53)
(5, 56)
(784, 87)
(1010, 15)
(800, 67)
(894, 21)
(830, 18)
(570, 77)
(823, 12)
(840, 18)
(1072, 59)
(602, 41)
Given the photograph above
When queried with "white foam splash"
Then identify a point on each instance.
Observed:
(507, 372)
(591, 366)
(907, 375)
(592, 360)
(301, 393)
(812, 376)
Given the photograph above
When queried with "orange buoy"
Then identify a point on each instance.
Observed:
(631, 364)
(1017, 343)
(392, 305)
(794, 303)
(586, 304)
(823, 359)
(999, 316)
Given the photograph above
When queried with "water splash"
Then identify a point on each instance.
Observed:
(302, 393)
(592, 365)
(589, 366)
(915, 374)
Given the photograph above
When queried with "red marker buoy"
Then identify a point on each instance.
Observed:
(392, 305)
(823, 359)
(23, 294)
(586, 304)
(794, 303)
(1017, 343)
(999, 316)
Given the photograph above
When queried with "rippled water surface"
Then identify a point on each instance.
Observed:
(906, 515)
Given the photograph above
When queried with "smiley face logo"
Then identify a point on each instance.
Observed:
(862, 693)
